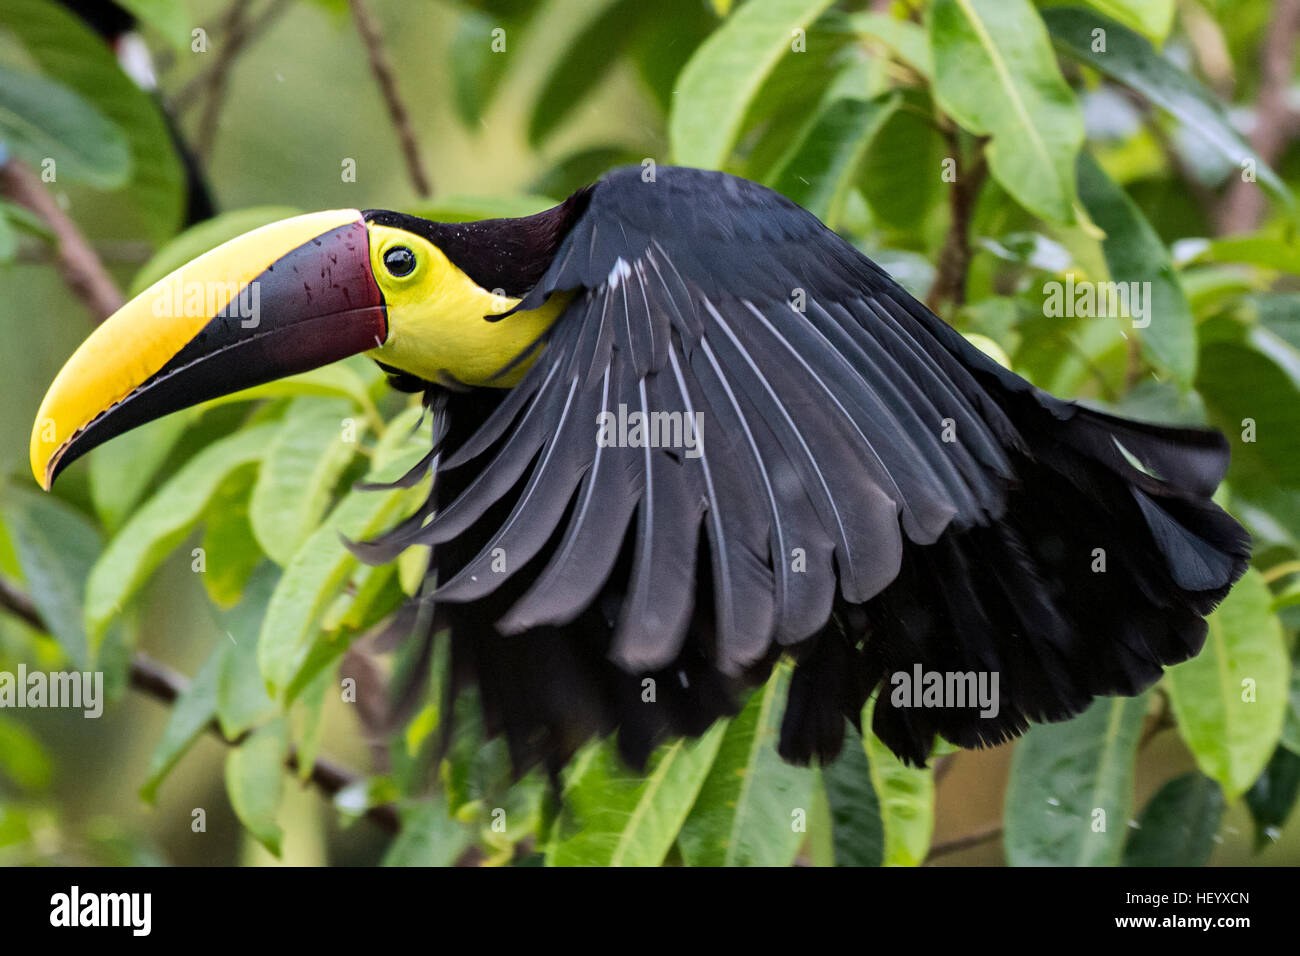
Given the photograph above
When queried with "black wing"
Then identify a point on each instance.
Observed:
(867, 491)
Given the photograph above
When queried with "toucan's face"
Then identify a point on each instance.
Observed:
(286, 298)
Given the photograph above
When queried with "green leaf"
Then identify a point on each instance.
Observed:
(476, 69)
(69, 52)
(242, 701)
(1135, 254)
(307, 721)
(204, 236)
(1130, 59)
(905, 39)
(905, 796)
(170, 18)
(898, 195)
(315, 442)
(255, 782)
(857, 832)
(56, 547)
(329, 381)
(162, 523)
(1272, 797)
(123, 469)
(22, 757)
(995, 73)
(715, 89)
(1152, 18)
(821, 168)
(231, 553)
(41, 120)
(613, 816)
(586, 60)
(1070, 793)
(191, 715)
(1244, 657)
(316, 575)
(429, 837)
(1178, 826)
(746, 810)
(1291, 726)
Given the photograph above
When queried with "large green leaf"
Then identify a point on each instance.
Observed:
(715, 89)
(1130, 59)
(42, 120)
(191, 714)
(613, 816)
(303, 464)
(1178, 826)
(746, 811)
(122, 470)
(171, 19)
(1151, 18)
(903, 38)
(242, 701)
(857, 833)
(587, 57)
(72, 54)
(22, 758)
(1135, 254)
(429, 837)
(1272, 798)
(56, 547)
(1231, 698)
(255, 781)
(905, 796)
(995, 73)
(822, 167)
(315, 576)
(231, 551)
(163, 522)
(1070, 794)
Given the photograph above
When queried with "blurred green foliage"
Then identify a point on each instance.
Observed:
(1100, 140)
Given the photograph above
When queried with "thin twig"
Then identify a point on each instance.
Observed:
(984, 834)
(231, 38)
(1243, 207)
(77, 262)
(188, 94)
(164, 684)
(955, 256)
(373, 39)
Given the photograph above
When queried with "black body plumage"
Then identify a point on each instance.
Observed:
(874, 493)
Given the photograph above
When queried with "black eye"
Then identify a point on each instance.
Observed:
(399, 261)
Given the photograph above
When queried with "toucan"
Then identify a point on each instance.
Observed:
(685, 432)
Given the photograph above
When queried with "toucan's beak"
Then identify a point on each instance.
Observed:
(286, 298)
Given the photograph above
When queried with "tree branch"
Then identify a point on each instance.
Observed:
(234, 34)
(373, 39)
(955, 256)
(157, 680)
(76, 260)
(1243, 207)
(232, 46)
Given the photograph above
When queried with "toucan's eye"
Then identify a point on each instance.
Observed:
(399, 261)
